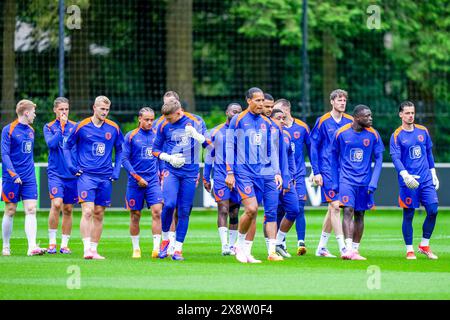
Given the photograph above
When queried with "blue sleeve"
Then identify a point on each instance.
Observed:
(126, 153)
(376, 171)
(307, 142)
(284, 162)
(335, 151)
(209, 159)
(118, 159)
(230, 145)
(52, 138)
(71, 143)
(207, 143)
(278, 160)
(316, 144)
(396, 155)
(6, 153)
(158, 143)
(430, 152)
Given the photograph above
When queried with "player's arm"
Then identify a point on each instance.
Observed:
(6, 155)
(209, 159)
(119, 154)
(192, 132)
(52, 138)
(316, 145)
(176, 160)
(378, 152)
(284, 161)
(278, 157)
(230, 145)
(429, 146)
(335, 152)
(67, 150)
(395, 152)
(126, 154)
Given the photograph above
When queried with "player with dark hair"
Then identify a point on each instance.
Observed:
(227, 200)
(62, 184)
(268, 105)
(18, 176)
(321, 138)
(95, 138)
(143, 183)
(411, 152)
(180, 135)
(253, 169)
(299, 137)
(352, 150)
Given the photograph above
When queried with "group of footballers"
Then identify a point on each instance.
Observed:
(256, 157)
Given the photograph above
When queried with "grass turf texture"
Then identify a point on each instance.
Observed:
(205, 274)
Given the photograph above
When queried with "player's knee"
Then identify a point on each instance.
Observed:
(57, 204)
(251, 210)
(432, 209)
(234, 220)
(135, 216)
(408, 213)
(270, 217)
(359, 216)
(10, 210)
(30, 209)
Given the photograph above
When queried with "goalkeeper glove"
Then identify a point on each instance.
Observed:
(435, 178)
(192, 133)
(176, 160)
(410, 180)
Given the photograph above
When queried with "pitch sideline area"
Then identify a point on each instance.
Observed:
(207, 275)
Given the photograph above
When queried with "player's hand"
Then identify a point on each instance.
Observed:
(318, 180)
(142, 183)
(435, 178)
(311, 180)
(63, 118)
(410, 180)
(230, 181)
(191, 132)
(177, 160)
(286, 190)
(18, 180)
(279, 181)
(207, 185)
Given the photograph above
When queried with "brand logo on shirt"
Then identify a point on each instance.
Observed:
(256, 138)
(108, 135)
(98, 149)
(356, 155)
(31, 135)
(366, 142)
(146, 152)
(183, 141)
(27, 146)
(420, 137)
(415, 152)
(63, 142)
(296, 134)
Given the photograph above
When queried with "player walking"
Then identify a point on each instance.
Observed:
(143, 182)
(62, 184)
(227, 200)
(321, 138)
(19, 178)
(95, 138)
(411, 152)
(353, 148)
(180, 136)
(253, 169)
(299, 137)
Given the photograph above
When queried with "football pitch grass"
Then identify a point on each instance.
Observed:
(205, 274)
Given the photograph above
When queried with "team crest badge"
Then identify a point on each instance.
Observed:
(108, 135)
(248, 189)
(345, 199)
(263, 126)
(31, 134)
(296, 134)
(420, 137)
(11, 195)
(366, 142)
(132, 202)
(220, 193)
(286, 140)
(408, 200)
(54, 190)
(331, 194)
(83, 194)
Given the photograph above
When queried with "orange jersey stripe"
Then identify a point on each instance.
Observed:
(418, 126)
(133, 133)
(323, 118)
(83, 123)
(287, 133)
(192, 117)
(342, 129)
(372, 130)
(13, 126)
(302, 124)
(163, 125)
(396, 133)
(240, 116)
(220, 126)
(347, 116)
(12, 174)
(113, 124)
(4, 197)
